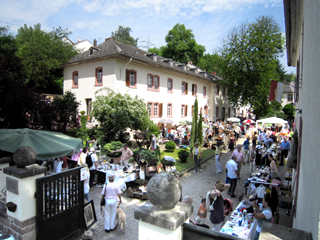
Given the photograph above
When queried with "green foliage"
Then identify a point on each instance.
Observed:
(210, 62)
(288, 109)
(275, 105)
(110, 147)
(82, 112)
(194, 128)
(42, 54)
(249, 60)
(289, 77)
(170, 146)
(181, 46)
(278, 114)
(83, 121)
(117, 112)
(149, 154)
(123, 35)
(199, 131)
(183, 155)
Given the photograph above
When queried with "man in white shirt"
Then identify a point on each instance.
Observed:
(263, 136)
(94, 167)
(232, 172)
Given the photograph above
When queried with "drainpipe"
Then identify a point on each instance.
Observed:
(124, 67)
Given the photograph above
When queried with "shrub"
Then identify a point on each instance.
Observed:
(110, 147)
(183, 155)
(170, 146)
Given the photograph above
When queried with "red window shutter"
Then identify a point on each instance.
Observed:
(186, 110)
(127, 78)
(160, 110)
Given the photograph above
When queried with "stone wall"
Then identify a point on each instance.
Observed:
(25, 230)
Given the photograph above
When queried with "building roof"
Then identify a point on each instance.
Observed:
(114, 49)
(290, 88)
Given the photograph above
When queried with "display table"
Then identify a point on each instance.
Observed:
(240, 227)
(120, 177)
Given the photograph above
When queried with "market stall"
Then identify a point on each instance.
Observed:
(272, 120)
(241, 223)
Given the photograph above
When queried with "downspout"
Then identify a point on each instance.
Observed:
(124, 67)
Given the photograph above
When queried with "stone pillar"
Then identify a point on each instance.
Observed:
(162, 217)
(21, 187)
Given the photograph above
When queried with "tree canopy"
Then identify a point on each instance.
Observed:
(181, 46)
(250, 60)
(42, 53)
(123, 35)
(117, 112)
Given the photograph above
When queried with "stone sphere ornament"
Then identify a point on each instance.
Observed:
(164, 191)
(24, 156)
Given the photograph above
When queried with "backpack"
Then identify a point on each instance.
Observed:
(89, 160)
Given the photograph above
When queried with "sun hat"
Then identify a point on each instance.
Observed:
(92, 149)
(111, 177)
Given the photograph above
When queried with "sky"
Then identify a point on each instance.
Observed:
(149, 20)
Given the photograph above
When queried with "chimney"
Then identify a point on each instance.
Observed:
(213, 73)
(95, 42)
(107, 39)
(189, 62)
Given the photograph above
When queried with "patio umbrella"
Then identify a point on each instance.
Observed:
(249, 121)
(166, 121)
(233, 119)
(46, 144)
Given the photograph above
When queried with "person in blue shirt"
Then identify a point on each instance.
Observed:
(284, 147)
(246, 149)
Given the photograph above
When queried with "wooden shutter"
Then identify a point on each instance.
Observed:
(160, 110)
(186, 111)
(186, 88)
(127, 78)
(192, 89)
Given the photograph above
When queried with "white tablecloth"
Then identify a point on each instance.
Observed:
(120, 179)
(232, 227)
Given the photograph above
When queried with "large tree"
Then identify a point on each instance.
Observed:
(209, 62)
(181, 45)
(249, 62)
(123, 35)
(42, 53)
(117, 112)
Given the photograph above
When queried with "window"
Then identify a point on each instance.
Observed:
(223, 113)
(154, 109)
(153, 82)
(169, 84)
(218, 90)
(169, 110)
(184, 88)
(217, 112)
(289, 97)
(194, 90)
(184, 110)
(223, 91)
(204, 91)
(99, 76)
(131, 78)
(75, 79)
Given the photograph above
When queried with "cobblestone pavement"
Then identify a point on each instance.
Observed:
(195, 185)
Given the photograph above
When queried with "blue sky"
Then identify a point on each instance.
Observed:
(210, 20)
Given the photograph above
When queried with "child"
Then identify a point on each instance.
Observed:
(202, 212)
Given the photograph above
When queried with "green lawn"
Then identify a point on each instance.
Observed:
(190, 162)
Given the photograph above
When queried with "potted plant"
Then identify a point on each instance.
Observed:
(183, 155)
(169, 163)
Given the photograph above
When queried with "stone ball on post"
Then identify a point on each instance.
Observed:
(164, 191)
(24, 156)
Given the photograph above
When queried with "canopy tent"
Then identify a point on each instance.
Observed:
(46, 144)
(233, 119)
(272, 120)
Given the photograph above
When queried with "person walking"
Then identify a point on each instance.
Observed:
(215, 203)
(246, 149)
(284, 147)
(239, 160)
(197, 156)
(153, 142)
(110, 195)
(93, 169)
(218, 157)
(233, 174)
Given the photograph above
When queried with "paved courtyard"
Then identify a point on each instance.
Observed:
(195, 185)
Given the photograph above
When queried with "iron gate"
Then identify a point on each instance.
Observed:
(60, 204)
